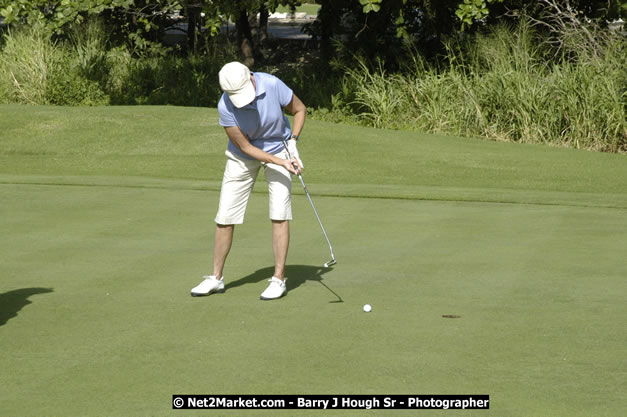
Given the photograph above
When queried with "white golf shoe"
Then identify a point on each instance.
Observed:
(275, 290)
(209, 285)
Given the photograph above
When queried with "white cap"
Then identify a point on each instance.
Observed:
(235, 81)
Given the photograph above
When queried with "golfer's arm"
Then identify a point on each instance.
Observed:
(299, 111)
(238, 138)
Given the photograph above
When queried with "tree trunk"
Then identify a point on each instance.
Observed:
(263, 24)
(327, 16)
(193, 16)
(245, 39)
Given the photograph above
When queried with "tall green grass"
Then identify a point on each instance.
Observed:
(505, 86)
(35, 69)
(84, 69)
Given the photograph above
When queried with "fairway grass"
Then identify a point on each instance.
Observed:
(107, 223)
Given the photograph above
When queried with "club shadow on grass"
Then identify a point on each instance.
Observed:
(11, 302)
(296, 276)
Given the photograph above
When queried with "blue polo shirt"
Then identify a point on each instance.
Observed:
(263, 120)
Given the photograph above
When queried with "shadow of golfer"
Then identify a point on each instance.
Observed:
(11, 302)
(296, 275)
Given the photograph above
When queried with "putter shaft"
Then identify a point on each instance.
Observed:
(300, 177)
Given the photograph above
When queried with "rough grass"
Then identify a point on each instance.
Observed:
(502, 86)
(84, 69)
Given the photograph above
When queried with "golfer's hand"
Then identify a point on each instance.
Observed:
(291, 147)
(292, 166)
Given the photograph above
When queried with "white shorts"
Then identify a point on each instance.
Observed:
(239, 178)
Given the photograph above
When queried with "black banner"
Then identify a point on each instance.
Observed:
(331, 402)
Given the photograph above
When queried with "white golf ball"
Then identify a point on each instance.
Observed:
(367, 308)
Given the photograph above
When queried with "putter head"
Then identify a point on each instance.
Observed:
(331, 262)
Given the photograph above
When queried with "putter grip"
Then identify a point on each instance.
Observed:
(289, 155)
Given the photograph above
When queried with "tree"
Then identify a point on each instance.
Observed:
(374, 28)
(54, 15)
(601, 11)
(381, 28)
(136, 19)
(139, 21)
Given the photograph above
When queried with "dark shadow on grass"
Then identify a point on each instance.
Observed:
(296, 276)
(11, 302)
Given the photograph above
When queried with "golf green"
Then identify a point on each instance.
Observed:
(491, 268)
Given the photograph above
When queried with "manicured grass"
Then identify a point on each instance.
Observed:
(107, 223)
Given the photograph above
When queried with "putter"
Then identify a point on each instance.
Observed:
(300, 177)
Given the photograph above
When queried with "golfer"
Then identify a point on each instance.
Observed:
(251, 112)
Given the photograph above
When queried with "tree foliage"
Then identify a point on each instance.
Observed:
(473, 11)
(372, 28)
(138, 21)
(55, 15)
(381, 28)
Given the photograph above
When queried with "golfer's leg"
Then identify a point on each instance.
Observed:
(280, 245)
(221, 247)
(280, 188)
(237, 184)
